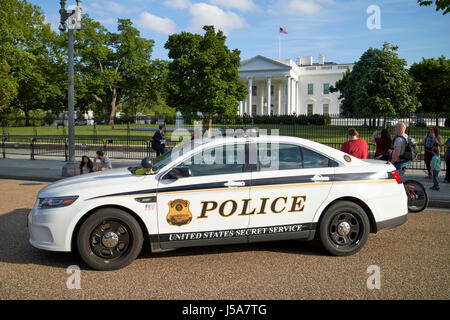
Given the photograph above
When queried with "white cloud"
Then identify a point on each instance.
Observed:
(115, 7)
(205, 14)
(241, 5)
(151, 22)
(177, 4)
(295, 7)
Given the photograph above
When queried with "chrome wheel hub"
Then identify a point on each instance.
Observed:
(110, 239)
(343, 228)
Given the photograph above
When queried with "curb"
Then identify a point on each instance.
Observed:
(28, 178)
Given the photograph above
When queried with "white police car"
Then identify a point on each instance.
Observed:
(221, 191)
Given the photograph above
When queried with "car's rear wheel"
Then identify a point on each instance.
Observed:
(344, 228)
(109, 239)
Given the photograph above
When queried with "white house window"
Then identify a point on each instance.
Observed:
(326, 88)
(326, 109)
(254, 93)
(310, 109)
(310, 88)
(254, 110)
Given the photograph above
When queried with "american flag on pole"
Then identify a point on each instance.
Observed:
(283, 30)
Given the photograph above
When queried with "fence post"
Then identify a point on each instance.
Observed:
(66, 150)
(32, 148)
(4, 147)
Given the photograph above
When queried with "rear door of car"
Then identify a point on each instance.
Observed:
(289, 183)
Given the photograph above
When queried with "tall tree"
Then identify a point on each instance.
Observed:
(25, 53)
(443, 5)
(111, 67)
(434, 76)
(203, 74)
(378, 84)
(8, 86)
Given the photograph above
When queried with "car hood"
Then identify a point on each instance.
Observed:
(98, 184)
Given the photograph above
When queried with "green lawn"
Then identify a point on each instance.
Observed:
(323, 134)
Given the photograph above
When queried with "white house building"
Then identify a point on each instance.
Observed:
(289, 87)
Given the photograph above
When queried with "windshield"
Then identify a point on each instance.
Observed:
(180, 149)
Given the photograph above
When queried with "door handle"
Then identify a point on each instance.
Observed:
(319, 177)
(234, 184)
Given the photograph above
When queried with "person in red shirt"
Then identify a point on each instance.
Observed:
(355, 146)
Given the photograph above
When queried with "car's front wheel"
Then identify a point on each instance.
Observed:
(109, 239)
(344, 228)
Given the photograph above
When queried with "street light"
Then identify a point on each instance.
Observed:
(70, 19)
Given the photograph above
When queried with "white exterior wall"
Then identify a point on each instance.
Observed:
(260, 68)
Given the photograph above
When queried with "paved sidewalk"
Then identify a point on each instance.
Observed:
(50, 170)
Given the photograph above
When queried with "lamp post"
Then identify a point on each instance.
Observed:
(70, 19)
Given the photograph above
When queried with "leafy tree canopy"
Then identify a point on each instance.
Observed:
(441, 5)
(434, 76)
(203, 74)
(378, 84)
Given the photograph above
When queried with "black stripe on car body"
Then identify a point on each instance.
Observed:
(234, 236)
(258, 182)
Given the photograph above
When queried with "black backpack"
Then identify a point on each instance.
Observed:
(411, 150)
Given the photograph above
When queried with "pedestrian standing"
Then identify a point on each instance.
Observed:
(432, 139)
(383, 143)
(355, 146)
(447, 161)
(435, 167)
(159, 141)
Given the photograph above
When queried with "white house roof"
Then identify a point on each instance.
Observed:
(259, 63)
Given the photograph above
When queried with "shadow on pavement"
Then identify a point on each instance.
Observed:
(16, 249)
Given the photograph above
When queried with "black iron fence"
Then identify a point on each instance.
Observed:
(130, 138)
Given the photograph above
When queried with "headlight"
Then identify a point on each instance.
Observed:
(57, 202)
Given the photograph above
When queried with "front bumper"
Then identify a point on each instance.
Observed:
(50, 229)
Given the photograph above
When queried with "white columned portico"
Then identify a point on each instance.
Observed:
(288, 95)
(269, 95)
(279, 99)
(249, 87)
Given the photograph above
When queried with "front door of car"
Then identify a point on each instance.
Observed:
(289, 183)
(208, 207)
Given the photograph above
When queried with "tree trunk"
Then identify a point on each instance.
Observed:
(208, 127)
(113, 108)
(27, 118)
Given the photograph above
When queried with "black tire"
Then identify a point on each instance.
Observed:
(418, 198)
(109, 239)
(332, 228)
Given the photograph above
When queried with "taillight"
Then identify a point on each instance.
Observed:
(396, 176)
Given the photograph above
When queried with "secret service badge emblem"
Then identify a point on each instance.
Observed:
(179, 213)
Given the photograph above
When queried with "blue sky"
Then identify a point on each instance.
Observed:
(335, 28)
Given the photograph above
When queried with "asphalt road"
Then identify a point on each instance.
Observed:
(413, 261)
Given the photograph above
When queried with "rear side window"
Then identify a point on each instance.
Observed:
(313, 159)
(289, 157)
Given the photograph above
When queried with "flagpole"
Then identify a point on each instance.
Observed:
(279, 46)
(279, 43)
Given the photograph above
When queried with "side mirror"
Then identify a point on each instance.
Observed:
(179, 172)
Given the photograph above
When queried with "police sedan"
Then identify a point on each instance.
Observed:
(225, 190)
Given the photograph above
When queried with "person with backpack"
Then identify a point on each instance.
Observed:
(432, 139)
(400, 144)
